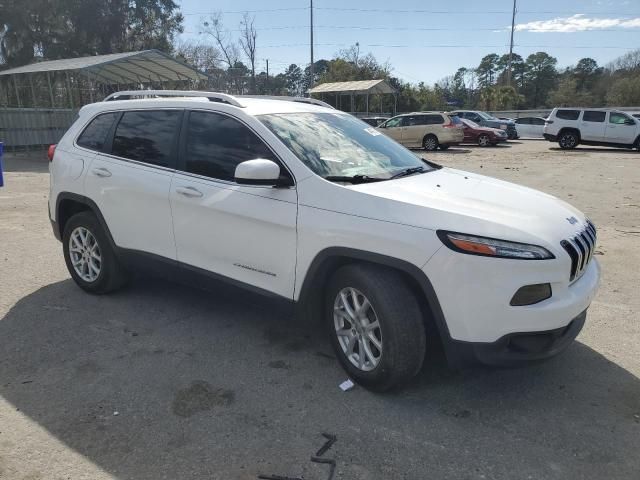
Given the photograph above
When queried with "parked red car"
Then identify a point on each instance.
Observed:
(483, 136)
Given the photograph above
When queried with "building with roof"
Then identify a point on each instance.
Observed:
(364, 89)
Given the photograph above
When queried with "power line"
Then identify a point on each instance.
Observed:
(434, 12)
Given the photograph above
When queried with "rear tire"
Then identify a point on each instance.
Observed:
(90, 259)
(387, 329)
(568, 140)
(430, 143)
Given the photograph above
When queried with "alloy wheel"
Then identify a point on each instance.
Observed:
(357, 328)
(85, 254)
(430, 143)
(483, 140)
(568, 141)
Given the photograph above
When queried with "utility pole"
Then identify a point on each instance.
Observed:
(311, 65)
(266, 86)
(513, 23)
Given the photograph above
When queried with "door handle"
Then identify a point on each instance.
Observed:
(101, 172)
(189, 191)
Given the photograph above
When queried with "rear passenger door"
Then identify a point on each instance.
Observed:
(242, 232)
(130, 180)
(592, 125)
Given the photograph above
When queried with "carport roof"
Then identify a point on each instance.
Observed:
(129, 67)
(359, 86)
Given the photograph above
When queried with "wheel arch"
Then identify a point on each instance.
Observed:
(68, 204)
(312, 291)
(569, 130)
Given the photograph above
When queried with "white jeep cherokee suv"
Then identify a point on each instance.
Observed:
(596, 126)
(310, 204)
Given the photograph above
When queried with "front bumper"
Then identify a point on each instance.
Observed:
(519, 348)
(549, 137)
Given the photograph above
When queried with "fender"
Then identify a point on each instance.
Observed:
(327, 260)
(90, 204)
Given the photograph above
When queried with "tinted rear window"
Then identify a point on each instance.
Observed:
(593, 116)
(94, 135)
(433, 119)
(147, 136)
(568, 114)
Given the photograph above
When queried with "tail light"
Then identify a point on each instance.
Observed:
(51, 151)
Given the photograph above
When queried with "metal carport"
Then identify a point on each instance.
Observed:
(365, 88)
(73, 82)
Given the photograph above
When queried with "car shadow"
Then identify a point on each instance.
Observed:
(32, 162)
(605, 150)
(163, 381)
(500, 145)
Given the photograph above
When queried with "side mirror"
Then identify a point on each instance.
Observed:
(628, 121)
(382, 125)
(258, 172)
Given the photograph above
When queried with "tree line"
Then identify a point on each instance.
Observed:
(32, 30)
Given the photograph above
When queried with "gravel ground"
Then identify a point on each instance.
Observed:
(164, 382)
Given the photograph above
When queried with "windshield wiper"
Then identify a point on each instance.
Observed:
(407, 171)
(355, 179)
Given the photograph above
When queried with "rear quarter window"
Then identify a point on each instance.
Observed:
(568, 114)
(94, 135)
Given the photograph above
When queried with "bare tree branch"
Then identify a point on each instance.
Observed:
(248, 37)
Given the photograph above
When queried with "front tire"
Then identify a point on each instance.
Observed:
(568, 140)
(375, 325)
(484, 140)
(90, 259)
(430, 143)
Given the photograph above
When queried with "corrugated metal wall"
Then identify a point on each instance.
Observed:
(30, 127)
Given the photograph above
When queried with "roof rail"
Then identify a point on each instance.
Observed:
(285, 98)
(212, 96)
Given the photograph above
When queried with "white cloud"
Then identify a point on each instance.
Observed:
(577, 23)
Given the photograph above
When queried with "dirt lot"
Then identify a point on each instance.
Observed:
(164, 382)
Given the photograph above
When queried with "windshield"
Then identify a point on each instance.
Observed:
(337, 144)
(470, 123)
(486, 116)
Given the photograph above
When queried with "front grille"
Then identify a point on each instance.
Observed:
(580, 248)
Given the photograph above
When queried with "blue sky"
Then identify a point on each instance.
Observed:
(425, 40)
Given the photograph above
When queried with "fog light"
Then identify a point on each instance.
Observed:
(530, 294)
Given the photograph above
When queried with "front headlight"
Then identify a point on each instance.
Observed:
(492, 247)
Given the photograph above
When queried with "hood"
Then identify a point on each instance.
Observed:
(496, 123)
(459, 201)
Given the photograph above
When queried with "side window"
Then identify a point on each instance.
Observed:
(473, 117)
(524, 121)
(617, 118)
(147, 136)
(412, 121)
(216, 144)
(434, 119)
(593, 116)
(568, 114)
(537, 121)
(94, 135)
(394, 122)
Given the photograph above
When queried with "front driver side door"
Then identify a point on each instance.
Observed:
(393, 129)
(618, 131)
(241, 232)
